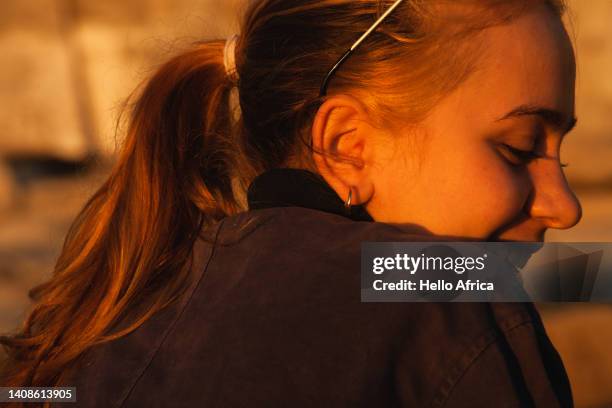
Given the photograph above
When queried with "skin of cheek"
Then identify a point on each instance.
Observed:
(454, 185)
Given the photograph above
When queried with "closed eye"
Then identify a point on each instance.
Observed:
(518, 157)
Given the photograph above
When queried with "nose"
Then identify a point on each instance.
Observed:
(553, 202)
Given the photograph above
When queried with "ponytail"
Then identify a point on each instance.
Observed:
(134, 236)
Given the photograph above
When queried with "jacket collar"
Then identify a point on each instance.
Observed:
(299, 188)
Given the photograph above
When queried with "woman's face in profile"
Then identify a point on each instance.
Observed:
(488, 156)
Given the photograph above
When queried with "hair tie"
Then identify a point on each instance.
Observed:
(229, 57)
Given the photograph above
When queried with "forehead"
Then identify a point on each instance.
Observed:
(528, 61)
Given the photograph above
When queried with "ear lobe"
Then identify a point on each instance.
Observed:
(340, 147)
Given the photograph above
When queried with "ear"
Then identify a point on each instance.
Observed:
(342, 141)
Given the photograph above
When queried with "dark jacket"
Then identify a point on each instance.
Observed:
(273, 318)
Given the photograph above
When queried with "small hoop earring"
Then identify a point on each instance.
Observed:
(347, 204)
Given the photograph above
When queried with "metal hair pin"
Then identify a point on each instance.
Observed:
(323, 90)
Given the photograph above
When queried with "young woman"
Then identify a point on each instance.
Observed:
(219, 263)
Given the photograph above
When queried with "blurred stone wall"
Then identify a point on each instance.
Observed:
(589, 148)
(66, 66)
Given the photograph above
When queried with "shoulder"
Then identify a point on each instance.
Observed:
(300, 266)
(276, 300)
(310, 229)
(295, 256)
(292, 257)
(296, 247)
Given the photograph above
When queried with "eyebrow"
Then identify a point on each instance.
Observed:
(554, 118)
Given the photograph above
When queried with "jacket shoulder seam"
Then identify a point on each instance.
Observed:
(248, 228)
(170, 327)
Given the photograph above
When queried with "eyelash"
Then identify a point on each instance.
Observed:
(524, 156)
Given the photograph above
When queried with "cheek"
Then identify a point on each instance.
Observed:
(501, 199)
(460, 190)
(494, 193)
(474, 192)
